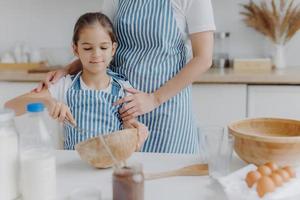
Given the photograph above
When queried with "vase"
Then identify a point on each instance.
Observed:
(279, 56)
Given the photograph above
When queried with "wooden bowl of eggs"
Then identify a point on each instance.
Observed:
(121, 143)
(261, 140)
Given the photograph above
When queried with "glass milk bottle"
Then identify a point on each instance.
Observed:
(9, 159)
(38, 165)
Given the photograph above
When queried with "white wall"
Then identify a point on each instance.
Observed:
(49, 23)
(244, 40)
(40, 23)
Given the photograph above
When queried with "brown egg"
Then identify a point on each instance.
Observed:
(264, 170)
(290, 170)
(284, 174)
(272, 166)
(265, 185)
(252, 177)
(277, 179)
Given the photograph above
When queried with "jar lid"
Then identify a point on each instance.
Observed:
(6, 114)
(35, 107)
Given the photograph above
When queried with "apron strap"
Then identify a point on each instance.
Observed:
(116, 82)
(116, 75)
(76, 81)
(115, 87)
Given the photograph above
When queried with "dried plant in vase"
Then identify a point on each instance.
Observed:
(278, 20)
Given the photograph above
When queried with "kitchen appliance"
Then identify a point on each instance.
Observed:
(221, 50)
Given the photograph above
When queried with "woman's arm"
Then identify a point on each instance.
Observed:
(202, 46)
(140, 103)
(57, 110)
(53, 76)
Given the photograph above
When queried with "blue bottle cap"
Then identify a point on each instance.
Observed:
(35, 107)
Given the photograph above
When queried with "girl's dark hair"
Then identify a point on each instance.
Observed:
(92, 18)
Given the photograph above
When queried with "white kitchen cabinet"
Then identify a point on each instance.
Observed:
(9, 90)
(274, 101)
(219, 104)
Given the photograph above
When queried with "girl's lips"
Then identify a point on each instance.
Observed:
(96, 62)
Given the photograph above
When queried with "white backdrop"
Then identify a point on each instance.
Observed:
(49, 23)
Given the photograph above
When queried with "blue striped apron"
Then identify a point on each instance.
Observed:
(92, 110)
(151, 51)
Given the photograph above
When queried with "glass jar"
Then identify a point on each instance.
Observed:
(9, 156)
(128, 183)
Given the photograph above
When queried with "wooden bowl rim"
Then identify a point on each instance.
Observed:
(108, 136)
(278, 139)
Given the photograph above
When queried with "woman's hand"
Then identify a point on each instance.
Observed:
(142, 131)
(138, 103)
(51, 78)
(61, 112)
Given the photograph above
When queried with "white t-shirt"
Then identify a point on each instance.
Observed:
(192, 16)
(59, 90)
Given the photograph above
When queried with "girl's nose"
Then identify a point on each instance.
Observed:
(97, 52)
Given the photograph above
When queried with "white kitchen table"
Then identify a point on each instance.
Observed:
(73, 173)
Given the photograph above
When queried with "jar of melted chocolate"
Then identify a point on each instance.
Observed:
(128, 183)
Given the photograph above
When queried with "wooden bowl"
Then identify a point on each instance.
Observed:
(122, 144)
(267, 139)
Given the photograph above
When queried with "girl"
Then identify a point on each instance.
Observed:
(89, 95)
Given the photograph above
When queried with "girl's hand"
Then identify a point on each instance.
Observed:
(136, 104)
(142, 131)
(61, 112)
(51, 78)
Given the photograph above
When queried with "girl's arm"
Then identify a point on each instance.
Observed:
(19, 103)
(140, 103)
(57, 110)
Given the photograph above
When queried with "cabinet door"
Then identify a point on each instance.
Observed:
(219, 104)
(9, 90)
(274, 101)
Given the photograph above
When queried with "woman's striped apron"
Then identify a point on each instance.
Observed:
(151, 52)
(92, 110)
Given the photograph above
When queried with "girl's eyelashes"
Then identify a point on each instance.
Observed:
(90, 48)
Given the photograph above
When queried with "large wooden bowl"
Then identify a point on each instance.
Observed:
(122, 144)
(267, 139)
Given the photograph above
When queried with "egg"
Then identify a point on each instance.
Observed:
(290, 170)
(264, 170)
(265, 185)
(277, 179)
(252, 177)
(284, 174)
(272, 166)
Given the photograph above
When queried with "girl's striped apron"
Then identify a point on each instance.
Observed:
(92, 110)
(150, 52)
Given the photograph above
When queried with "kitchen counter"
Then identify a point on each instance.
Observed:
(288, 76)
(20, 76)
(72, 173)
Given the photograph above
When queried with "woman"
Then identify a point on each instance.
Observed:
(156, 39)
